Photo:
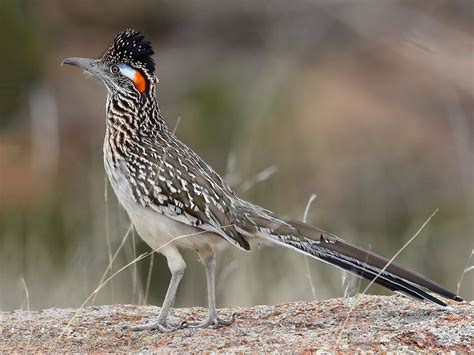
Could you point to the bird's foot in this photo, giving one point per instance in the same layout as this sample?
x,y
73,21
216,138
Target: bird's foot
x,y
165,326
211,321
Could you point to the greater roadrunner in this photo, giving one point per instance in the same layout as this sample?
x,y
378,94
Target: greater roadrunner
x,y
169,191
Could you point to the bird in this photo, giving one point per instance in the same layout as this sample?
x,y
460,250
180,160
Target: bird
x,y
176,200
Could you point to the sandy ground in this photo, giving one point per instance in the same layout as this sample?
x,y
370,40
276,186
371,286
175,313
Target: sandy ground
x,y
369,323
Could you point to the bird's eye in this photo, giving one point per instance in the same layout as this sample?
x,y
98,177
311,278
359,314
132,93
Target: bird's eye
x,y
114,69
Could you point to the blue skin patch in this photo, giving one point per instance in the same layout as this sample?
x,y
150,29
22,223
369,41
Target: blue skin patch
x,y
127,71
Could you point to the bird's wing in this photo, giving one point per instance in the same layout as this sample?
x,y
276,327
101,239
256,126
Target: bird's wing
x,y
176,182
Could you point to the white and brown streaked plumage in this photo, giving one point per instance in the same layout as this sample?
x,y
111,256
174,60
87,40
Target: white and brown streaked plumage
x,y
169,191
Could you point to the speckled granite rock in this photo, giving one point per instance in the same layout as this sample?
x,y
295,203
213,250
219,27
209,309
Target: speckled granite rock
x,y
370,323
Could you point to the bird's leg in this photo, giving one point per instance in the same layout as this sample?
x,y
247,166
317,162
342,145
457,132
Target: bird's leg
x,y
177,266
209,260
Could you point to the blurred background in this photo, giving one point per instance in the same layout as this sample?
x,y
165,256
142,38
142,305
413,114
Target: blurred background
x,y
367,104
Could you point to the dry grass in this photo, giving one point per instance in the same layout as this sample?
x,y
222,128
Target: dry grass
x,y
392,259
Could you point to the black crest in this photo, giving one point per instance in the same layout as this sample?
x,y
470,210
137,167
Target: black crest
x,y
131,47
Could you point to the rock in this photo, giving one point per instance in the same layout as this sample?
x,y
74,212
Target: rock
x,y
365,323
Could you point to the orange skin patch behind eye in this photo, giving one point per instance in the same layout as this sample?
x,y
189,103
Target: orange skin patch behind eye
x,y
139,81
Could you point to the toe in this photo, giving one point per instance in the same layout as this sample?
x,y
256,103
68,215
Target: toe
x,y
227,322
209,322
161,327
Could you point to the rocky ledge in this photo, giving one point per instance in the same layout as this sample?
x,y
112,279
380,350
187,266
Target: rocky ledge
x,y
364,323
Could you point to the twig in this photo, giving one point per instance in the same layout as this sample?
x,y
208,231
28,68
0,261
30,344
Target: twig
x,y
230,176
380,273
134,271
107,230
306,261
27,293
265,174
148,278
465,271
109,267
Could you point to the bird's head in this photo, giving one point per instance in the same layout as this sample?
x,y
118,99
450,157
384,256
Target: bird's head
x,y
125,67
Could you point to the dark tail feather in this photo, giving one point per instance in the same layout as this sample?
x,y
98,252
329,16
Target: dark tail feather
x,y
385,279
333,250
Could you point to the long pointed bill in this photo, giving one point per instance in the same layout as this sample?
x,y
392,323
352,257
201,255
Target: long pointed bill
x,y
90,66
84,63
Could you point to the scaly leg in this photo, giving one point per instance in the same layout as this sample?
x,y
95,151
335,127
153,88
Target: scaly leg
x,y
177,266
208,258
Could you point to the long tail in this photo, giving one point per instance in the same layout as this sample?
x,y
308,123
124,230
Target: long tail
x,y
326,247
